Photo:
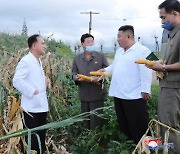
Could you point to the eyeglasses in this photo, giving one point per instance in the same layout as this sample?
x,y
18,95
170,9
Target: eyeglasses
x,y
162,17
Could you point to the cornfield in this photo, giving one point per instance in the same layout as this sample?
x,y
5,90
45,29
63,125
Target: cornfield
x,y
64,108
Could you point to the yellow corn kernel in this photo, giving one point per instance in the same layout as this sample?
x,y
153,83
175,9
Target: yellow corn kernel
x,y
87,78
145,61
96,73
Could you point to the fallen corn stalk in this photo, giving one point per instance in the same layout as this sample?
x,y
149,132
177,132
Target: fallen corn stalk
x,y
140,147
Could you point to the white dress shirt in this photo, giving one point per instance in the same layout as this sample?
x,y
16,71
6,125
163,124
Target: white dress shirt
x,y
29,76
128,78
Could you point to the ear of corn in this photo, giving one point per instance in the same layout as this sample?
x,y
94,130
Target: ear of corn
x,y
87,78
145,61
96,73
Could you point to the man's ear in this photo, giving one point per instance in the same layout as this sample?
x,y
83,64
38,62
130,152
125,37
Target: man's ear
x,y
34,45
175,13
82,45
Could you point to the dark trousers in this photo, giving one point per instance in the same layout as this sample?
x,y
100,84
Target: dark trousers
x,y
169,114
38,119
132,117
94,120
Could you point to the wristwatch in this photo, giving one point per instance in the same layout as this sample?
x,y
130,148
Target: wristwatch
x,y
164,68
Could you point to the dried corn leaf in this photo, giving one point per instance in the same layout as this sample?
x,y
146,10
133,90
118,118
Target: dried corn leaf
x,y
17,125
1,122
14,106
166,138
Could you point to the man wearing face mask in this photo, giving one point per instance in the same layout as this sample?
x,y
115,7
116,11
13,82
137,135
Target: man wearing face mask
x,y
169,93
91,94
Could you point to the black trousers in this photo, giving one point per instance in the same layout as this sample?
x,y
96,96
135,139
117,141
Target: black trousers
x,y
132,117
94,120
38,119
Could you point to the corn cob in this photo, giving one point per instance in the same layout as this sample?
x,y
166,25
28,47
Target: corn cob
x,y
96,73
145,61
87,78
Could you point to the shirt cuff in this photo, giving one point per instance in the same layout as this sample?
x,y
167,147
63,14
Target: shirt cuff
x,y
108,69
146,89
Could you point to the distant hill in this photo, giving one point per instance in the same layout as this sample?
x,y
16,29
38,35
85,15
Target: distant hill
x,y
10,44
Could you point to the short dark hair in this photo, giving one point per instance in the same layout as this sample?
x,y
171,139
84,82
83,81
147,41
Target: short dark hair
x,y
170,5
127,28
32,39
84,36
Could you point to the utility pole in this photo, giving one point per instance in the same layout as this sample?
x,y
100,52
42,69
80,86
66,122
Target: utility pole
x,y
157,44
139,38
90,22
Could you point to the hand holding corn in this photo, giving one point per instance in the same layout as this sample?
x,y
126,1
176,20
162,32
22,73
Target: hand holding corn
x,y
155,65
98,73
145,61
81,77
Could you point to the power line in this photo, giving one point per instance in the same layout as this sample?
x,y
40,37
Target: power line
x,y
90,21
134,18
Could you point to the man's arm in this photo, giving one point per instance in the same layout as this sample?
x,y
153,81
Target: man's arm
x,y
75,72
170,67
19,80
146,78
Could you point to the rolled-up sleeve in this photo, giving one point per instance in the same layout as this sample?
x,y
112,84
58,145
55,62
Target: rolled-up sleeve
x,y
109,68
146,79
20,82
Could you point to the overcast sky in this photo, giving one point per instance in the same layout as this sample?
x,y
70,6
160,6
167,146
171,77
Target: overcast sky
x,y
63,18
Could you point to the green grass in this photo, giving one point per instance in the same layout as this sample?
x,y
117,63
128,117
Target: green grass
x,y
152,104
107,139
110,56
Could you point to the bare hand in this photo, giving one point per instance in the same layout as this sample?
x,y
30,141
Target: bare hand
x,y
78,78
101,70
145,96
36,92
95,79
157,66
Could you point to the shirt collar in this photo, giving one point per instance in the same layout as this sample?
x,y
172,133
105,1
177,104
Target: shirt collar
x,y
34,58
92,55
174,31
133,47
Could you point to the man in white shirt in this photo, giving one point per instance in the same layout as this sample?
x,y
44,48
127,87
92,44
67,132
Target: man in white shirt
x,y
130,85
29,80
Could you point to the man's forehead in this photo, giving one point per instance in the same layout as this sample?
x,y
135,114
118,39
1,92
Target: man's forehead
x,y
40,39
88,38
162,11
123,32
